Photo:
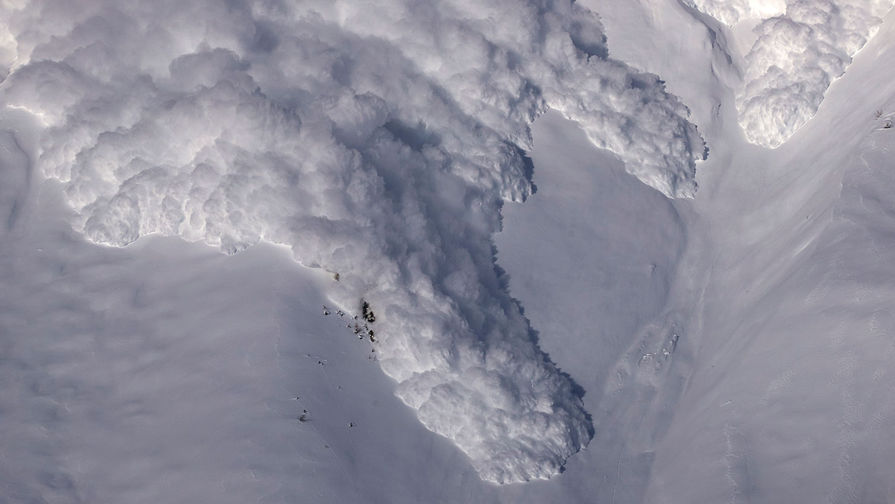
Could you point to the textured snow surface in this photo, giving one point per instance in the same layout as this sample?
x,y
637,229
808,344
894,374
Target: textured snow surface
x,y
800,48
376,141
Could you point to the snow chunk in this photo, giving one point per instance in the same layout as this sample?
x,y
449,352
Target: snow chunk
x,y
377,141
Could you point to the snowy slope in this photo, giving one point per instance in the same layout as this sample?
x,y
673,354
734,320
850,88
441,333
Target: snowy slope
x,y
166,372
791,378
788,378
594,335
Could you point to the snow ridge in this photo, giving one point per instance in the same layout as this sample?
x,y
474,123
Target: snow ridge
x,y
377,142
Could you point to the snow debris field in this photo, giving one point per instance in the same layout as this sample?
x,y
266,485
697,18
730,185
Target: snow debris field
x,y
452,251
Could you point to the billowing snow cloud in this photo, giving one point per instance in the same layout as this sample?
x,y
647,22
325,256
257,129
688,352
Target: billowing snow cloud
x,y
796,56
795,59
375,139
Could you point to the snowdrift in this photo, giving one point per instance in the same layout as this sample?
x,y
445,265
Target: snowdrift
x,y
377,142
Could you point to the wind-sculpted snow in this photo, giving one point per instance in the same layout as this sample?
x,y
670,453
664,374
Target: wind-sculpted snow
x,y
376,140
796,56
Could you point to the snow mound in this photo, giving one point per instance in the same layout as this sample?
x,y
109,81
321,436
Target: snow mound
x,y
796,56
376,141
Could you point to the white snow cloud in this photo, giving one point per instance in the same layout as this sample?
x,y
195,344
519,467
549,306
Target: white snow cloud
x,y
377,141
795,59
796,56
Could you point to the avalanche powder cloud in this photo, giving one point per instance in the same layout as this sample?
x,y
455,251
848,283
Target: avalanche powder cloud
x,y
796,56
376,141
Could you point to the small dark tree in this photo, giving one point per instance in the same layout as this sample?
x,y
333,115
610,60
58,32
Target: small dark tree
x,y
367,312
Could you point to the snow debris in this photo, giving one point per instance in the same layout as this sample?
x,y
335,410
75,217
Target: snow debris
x,y
374,139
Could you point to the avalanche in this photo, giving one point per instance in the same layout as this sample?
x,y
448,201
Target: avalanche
x,y
376,142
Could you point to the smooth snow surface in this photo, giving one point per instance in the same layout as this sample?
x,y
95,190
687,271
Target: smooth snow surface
x,y
546,311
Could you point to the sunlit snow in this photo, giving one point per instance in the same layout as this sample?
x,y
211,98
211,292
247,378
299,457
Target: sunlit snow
x,y
464,254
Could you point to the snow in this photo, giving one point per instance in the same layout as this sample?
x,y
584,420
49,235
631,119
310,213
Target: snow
x,y
795,58
798,49
307,129
165,372
546,313
730,12
593,257
790,385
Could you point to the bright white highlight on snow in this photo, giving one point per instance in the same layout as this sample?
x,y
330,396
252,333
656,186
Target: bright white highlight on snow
x,y
376,141
732,11
796,56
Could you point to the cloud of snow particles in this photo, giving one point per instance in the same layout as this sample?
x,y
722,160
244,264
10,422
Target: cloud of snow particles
x,y
795,59
375,139
732,11
796,56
